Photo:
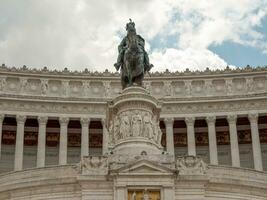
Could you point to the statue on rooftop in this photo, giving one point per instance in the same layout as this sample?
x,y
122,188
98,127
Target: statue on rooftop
x,y
132,59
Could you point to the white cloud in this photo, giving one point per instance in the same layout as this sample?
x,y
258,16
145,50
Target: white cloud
x,y
203,23
174,59
79,33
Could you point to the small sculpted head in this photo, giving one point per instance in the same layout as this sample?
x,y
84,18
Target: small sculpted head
x,y
130,27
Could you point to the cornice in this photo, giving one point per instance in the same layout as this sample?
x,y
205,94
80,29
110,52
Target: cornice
x,y
26,71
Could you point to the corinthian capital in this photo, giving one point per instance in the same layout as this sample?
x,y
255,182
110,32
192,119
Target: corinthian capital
x,y
85,121
231,118
42,119
253,117
211,119
2,117
63,120
21,118
168,121
190,121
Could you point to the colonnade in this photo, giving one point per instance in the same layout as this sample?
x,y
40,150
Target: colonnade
x,y
41,146
235,157
169,122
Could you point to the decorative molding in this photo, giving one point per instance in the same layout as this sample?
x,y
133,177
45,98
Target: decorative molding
x,y
232,118
190,121
103,84
253,117
63,120
42,119
21,118
85,121
187,72
168,121
211,119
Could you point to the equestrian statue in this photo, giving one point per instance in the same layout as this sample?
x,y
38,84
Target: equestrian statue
x,y
133,59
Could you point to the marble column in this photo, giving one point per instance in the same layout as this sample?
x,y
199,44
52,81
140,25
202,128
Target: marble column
x,y
2,116
105,137
41,141
190,121
63,143
212,140
256,146
169,135
18,165
234,140
85,137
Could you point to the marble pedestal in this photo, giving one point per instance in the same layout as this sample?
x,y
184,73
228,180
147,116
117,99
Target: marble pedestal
x,y
133,123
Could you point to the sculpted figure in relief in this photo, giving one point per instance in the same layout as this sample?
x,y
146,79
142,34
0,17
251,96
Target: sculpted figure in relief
x,y
229,85
146,195
148,131
44,87
191,165
133,197
2,83
111,136
155,128
157,134
117,133
125,126
23,84
136,125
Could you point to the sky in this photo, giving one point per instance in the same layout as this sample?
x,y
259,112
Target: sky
x,y
179,34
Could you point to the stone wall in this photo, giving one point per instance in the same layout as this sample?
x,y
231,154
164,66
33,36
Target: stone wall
x,y
66,182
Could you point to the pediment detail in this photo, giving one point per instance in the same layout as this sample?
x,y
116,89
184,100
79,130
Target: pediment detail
x,y
144,167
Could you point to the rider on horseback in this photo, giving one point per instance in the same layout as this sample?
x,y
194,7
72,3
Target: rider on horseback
x,y
130,27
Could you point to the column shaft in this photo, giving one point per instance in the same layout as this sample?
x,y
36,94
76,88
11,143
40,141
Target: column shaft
x,y
1,129
256,146
41,141
212,140
105,137
234,141
18,165
85,137
169,135
63,140
191,136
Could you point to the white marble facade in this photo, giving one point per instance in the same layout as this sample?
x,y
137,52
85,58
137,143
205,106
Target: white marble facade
x,y
86,96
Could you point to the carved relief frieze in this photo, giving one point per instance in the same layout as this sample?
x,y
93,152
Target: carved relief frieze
x,y
211,107
191,165
75,88
52,107
43,84
132,124
13,85
94,165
